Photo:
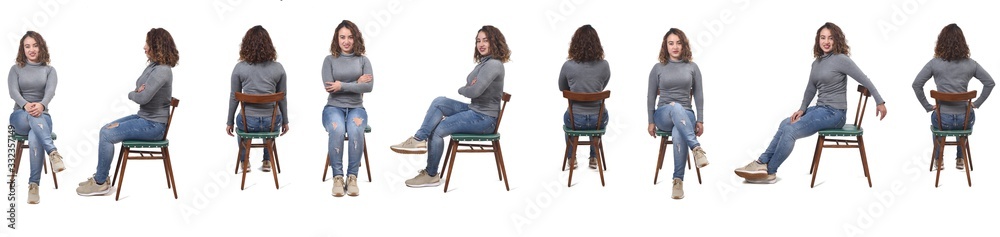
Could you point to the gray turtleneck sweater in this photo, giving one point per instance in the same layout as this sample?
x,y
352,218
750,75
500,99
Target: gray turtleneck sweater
x,y
154,100
488,89
952,77
674,82
32,83
829,78
347,69
258,79
585,77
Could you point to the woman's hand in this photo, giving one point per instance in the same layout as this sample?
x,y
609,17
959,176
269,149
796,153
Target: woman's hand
x,y
796,116
365,78
34,109
284,129
699,128
333,86
652,130
141,88
229,130
880,110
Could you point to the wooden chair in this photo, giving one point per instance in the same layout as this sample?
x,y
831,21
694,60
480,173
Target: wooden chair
x,y
326,167
22,144
961,136
472,141
163,154
575,134
848,131
268,138
665,139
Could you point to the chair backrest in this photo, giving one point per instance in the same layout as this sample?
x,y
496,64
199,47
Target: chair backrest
x,y
586,97
259,99
859,113
170,118
503,106
954,97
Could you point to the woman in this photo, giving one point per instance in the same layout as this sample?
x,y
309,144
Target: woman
x,y
952,70
484,86
674,79
586,71
153,92
347,75
32,84
257,74
827,82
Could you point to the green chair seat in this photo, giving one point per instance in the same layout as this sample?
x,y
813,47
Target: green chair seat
x,y
950,133
145,144
661,133
19,137
848,130
464,137
582,133
261,135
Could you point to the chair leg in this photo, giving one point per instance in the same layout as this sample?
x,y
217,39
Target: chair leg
x,y
368,168
963,144
566,155
170,170
245,162
940,145
496,158
166,173
121,155
503,168
696,169
454,150
573,142
600,161
55,181
447,154
659,158
274,157
968,153
819,146
864,159
121,179
815,164
326,167
601,151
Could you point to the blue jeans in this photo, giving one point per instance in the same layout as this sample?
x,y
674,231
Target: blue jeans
x,y
257,124
130,127
460,119
337,125
951,122
815,118
39,139
584,122
680,122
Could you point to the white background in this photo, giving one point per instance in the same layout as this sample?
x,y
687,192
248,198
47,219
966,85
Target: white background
x,y
754,56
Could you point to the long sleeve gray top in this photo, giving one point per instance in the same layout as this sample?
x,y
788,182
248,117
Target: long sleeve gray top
x,y
828,78
952,77
154,100
258,79
585,77
487,90
32,83
674,82
347,69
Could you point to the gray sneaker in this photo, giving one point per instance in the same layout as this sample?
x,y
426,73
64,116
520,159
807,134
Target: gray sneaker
x,y
32,193
754,171
959,164
266,167
769,179
410,146
57,162
699,157
338,186
593,163
352,185
91,188
678,189
424,180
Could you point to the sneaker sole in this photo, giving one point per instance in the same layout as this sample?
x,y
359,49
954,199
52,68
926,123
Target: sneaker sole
x,y
758,175
424,185
409,150
762,181
702,165
352,194
678,198
335,195
98,193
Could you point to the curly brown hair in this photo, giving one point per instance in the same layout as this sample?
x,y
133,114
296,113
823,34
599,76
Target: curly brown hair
x,y
257,46
498,45
585,45
161,47
359,42
951,44
43,49
839,41
685,46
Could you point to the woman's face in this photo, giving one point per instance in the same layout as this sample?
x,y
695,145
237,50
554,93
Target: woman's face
x,y
346,40
674,47
31,49
482,44
145,49
825,40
